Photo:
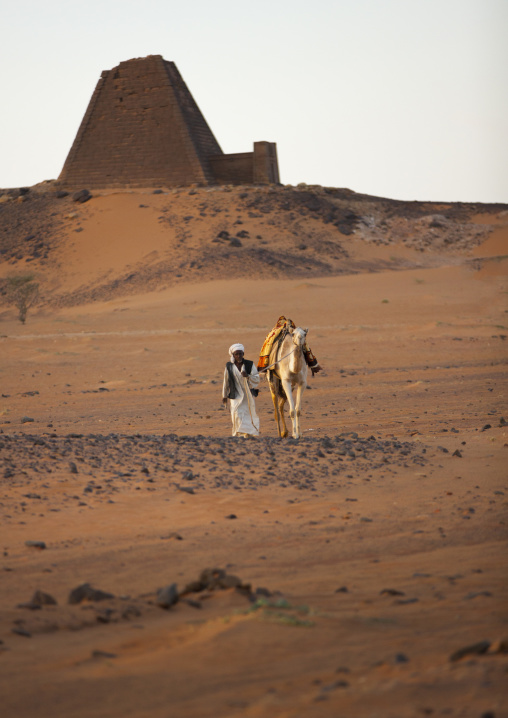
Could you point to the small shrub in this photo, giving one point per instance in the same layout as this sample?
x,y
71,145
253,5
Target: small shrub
x,y
23,292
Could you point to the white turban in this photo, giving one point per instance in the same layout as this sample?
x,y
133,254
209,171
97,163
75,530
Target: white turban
x,y
235,348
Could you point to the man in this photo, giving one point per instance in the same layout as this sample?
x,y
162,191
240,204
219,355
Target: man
x,y
264,354
241,380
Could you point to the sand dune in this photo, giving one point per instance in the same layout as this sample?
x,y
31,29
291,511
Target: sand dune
x,y
362,568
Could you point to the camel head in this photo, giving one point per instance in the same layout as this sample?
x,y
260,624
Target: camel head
x,y
299,336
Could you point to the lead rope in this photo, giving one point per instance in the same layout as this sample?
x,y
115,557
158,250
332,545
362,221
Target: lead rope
x,y
278,360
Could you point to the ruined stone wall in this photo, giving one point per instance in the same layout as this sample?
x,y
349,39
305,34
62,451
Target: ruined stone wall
x,y
233,168
258,167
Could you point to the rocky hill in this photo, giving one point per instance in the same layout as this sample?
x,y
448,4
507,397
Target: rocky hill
x,y
101,244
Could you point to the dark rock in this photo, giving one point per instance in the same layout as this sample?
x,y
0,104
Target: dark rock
x,y
229,581
401,658
487,426
475,594
185,489
260,591
30,605
103,654
210,577
26,419
43,599
173,535
82,195
35,544
476,649
193,587
61,194
167,596
73,468
457,453
85,592
21,632
391,592
231,516
342,589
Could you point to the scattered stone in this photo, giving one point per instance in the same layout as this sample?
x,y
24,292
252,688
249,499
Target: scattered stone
x,y
43,599
476,649
342,589
103,654
167,596
82,195
26,420
185,489
85,592
104,615
21,632
73,468
35,544
391,592
401,658
487,426
231,516
475,594
61,193
457,453
30,605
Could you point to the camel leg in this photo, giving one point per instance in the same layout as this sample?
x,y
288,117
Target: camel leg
x,y
298,405
276,409
284,431
292,410
274,384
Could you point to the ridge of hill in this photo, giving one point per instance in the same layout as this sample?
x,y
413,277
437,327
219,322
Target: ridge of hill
x,y
132,241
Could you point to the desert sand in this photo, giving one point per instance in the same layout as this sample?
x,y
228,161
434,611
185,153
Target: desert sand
x,y
360,571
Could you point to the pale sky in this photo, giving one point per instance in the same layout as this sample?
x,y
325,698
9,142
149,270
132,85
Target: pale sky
x,y
406,99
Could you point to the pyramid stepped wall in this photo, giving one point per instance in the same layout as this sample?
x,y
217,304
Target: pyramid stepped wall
x,y
143,128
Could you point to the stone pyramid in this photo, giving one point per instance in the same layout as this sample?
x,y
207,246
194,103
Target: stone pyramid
x,y
143,128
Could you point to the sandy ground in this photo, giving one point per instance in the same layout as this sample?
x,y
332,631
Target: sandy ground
x,y
367,555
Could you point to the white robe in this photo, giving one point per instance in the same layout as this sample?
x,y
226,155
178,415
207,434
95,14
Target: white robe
x,y
243,408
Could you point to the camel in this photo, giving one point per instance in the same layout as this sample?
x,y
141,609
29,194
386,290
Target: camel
x,y
289,370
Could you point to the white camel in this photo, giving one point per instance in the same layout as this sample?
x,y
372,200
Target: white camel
x,y
288,369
